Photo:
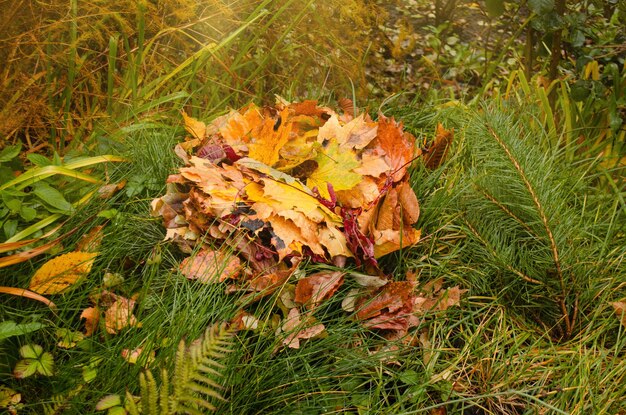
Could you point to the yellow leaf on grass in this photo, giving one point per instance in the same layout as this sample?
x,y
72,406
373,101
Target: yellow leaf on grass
x,y
60,273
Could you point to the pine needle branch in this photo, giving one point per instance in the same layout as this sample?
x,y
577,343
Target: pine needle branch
x,y
544,219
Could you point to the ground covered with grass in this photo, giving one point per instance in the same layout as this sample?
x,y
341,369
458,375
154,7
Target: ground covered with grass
x,y
519,268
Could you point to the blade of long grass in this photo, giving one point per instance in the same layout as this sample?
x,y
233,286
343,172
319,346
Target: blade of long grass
x,y
40,173
203,53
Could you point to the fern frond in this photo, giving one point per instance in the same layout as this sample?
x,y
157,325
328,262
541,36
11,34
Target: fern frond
x,y
130,404
164,398
194,383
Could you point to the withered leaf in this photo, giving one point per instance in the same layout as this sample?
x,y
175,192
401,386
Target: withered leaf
x,y
292,326
92,317
620,311
120,315
316,288
438,150
210,266
390,307
62,272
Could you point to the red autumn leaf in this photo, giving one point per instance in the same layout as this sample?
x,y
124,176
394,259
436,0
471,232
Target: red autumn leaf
x,y
399,146
390,307
314,289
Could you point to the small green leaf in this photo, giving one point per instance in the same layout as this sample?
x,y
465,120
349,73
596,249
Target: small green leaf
x,y
108,402
10,328
14,204
409,377
118,410
68,338
10,227
52,197
10,152
28,213
31,351
89,373
46,364
25,368
541,6
108,214
39,160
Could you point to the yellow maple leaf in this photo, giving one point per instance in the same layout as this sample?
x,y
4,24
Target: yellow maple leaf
x,y
270,138
335,166
62,272
194,127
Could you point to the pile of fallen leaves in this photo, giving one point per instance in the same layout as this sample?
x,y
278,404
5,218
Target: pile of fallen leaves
x,y
265,187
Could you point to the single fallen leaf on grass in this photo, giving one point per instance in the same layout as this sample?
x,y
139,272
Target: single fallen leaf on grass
x,y
620,311
92,317
120,315
62,272
9,399
133,356
208,266
293,324
314,289
68,339
438,150
91,241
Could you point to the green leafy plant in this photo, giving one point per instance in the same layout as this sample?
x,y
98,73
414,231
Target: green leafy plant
x,y
38,196
191,388
34,361
10,328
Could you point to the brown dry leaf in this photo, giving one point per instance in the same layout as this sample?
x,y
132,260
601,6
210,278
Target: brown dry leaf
x,y
450,297
62,272
314,289
438,150
132,356
390,307
244,321
90,242
92,318
620,311
409,204
268,283
108,190
390,240
346,105
292,323
120,315
208,266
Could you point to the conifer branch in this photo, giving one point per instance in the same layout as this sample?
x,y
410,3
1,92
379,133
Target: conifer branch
x,y
495,254
544,220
